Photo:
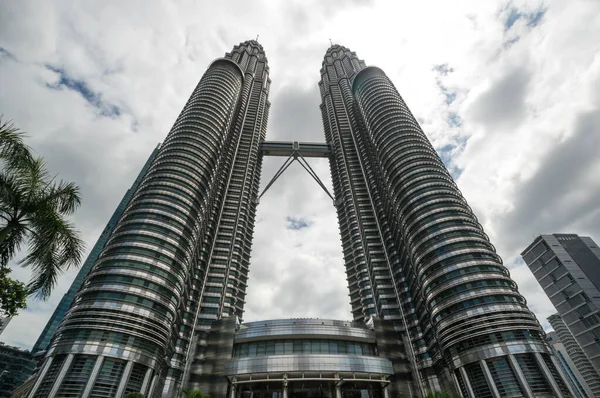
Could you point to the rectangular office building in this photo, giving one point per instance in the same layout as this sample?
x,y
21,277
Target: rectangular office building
x,y
567,267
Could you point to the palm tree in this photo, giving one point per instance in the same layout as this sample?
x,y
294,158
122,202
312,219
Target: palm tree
x,y
33,210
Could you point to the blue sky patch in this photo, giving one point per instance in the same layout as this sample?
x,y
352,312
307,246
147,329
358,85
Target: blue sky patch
x,y
80,86
454,120
443,69
297,223
446,155
533,18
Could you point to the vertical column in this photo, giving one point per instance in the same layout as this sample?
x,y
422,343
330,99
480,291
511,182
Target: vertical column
x,y
124,379
285,386
463,373
285,389
386,392
384,387
338,390
90,383
338,386
562,376
146,381
456,383
542,365
520,377
153,385
489,378
61,375
41,376
233,390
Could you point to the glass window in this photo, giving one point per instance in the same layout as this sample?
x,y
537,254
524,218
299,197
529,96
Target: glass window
x,y
324,347
261,348
297,346
270,348
352,348
279,347
547,256
535,252
252,350
289,347
333,347
315,347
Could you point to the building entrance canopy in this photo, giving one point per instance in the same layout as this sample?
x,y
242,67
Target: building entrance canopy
x,y
324,385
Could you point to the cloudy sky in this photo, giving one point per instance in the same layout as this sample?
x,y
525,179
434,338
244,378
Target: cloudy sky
x,y
507,91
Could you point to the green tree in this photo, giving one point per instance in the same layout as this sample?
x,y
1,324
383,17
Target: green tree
x,y
13,294
436,394
134,395
33,213
195,393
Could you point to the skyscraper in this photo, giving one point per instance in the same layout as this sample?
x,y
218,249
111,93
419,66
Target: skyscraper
x,y
59,313
415,253
568,269
178,258
588,377
433,307
15,366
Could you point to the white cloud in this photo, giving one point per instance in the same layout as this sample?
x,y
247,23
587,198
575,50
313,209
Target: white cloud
x,y
526,100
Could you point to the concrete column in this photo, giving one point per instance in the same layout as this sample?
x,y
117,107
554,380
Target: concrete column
x,y
386,392
489,379
284,386
520,377
338,391
124,379
456,383
547,374
152,385
61,375
285,390
562,376
232,391
93,376
467,382
338,386
40,377
146,381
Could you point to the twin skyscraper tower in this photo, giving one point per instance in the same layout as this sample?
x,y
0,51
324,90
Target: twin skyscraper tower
x,y
433,307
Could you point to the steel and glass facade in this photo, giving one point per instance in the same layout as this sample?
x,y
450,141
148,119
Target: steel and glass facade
x,y
296,358
589,373
567,267
415,253
178,258
65,303
572,360
15,367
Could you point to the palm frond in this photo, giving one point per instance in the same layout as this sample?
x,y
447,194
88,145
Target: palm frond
x,y
13,150
11,244
64,197
54,246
